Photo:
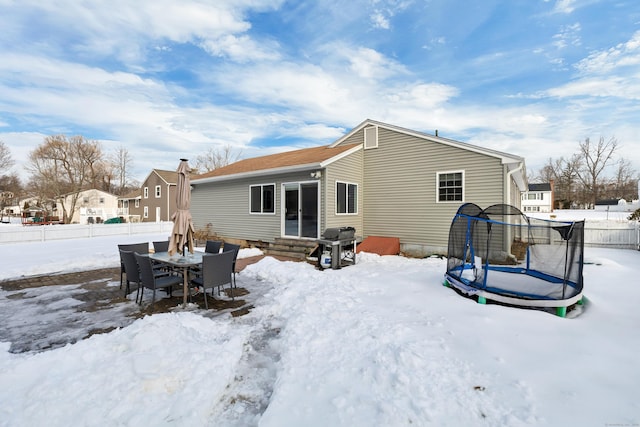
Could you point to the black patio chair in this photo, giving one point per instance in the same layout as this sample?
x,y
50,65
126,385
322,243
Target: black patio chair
x,y
212,246
217,271
235,249
141,248
161,246
131,269
149,280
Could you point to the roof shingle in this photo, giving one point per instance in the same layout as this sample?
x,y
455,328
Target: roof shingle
x,y
303,156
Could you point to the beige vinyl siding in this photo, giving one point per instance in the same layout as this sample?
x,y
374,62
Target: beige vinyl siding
x,y
348,170
225,205
400,187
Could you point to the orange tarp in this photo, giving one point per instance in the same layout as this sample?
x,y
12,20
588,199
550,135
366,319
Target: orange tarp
x,y
380,245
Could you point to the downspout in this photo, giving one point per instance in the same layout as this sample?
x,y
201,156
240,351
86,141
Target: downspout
x,y
508,189
508,235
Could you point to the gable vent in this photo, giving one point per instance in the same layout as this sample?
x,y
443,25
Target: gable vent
x,y
371,137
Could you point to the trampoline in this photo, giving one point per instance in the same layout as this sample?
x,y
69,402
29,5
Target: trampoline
x,y
499,254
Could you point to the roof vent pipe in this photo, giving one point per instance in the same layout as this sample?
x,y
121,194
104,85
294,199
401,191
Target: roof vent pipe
x,y
436,132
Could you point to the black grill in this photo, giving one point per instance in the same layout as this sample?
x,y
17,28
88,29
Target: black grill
x,y
339,233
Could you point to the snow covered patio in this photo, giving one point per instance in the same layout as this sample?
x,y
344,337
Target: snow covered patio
x,y
378,343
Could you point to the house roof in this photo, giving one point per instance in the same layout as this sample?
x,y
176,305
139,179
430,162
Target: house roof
x,y
505,157
134,194
318,157
106,193
170,177
515,164
607,202
540,187
306,158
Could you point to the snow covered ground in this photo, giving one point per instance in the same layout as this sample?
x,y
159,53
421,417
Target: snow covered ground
x,y
381,343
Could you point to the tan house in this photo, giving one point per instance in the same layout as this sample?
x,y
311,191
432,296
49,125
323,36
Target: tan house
x,y
92,206
155,201
381,179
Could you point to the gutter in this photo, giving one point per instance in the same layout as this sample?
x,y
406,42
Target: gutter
x,y
285,169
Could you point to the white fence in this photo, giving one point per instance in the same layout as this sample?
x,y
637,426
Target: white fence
x,y
611,234
601,234
41,233
608,234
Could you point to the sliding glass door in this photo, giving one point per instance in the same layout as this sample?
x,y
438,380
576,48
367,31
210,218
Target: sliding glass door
x,y
300,209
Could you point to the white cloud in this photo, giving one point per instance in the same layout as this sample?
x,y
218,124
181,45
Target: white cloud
x,y
125,29
241,48
564,6
380,21
569,35
384,10
622,55
608,73
370,64
619,87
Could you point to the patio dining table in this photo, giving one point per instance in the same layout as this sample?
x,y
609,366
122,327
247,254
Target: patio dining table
x,y
180,261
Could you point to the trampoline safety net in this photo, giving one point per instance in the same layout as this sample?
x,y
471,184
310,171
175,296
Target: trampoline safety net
x,y
489,247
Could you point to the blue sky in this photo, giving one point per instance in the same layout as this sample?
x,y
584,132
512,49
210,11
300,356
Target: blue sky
x,y
171,79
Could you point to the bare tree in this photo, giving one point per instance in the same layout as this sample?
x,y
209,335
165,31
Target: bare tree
x,y
10,190
569,179
65,166
550,171
121,162
624,184
564,173
216,157
595,157
6,161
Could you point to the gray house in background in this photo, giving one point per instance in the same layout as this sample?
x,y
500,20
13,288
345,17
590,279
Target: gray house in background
x,y
382,179
155,201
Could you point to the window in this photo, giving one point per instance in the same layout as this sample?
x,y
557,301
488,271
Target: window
x,y
101,200
145,214
262,198
346,198
146,192
85,200
158,192
137,204
450,186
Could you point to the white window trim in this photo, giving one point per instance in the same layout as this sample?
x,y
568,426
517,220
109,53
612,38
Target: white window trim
x,y
368,142
464,186
347,194
145,212
158,191
145,192
261,195
137,203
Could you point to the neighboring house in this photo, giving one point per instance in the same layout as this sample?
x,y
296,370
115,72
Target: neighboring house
x,y
539,198
617,205
156,199
29,207
382,179
130,206
92,206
